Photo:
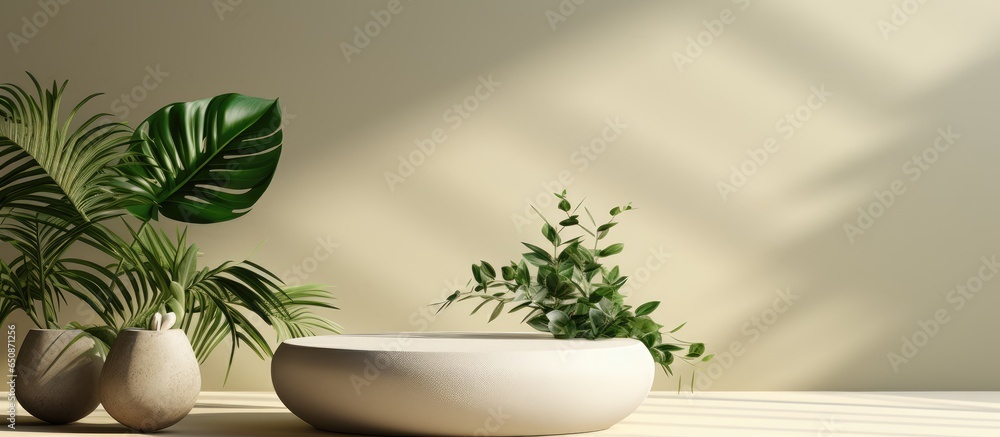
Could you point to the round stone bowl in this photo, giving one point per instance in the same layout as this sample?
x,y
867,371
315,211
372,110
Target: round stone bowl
x,y
461,384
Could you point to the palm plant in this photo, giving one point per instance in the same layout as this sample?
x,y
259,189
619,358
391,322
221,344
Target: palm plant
x,y
199,162
208,301
58,184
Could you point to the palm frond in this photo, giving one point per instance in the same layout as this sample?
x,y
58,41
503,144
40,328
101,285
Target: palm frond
x,y
220,302
56,168
42,274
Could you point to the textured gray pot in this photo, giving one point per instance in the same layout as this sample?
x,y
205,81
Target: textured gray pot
x,y
151,379
58,388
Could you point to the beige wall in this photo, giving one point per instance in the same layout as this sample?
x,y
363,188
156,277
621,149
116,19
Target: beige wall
x,y
685,128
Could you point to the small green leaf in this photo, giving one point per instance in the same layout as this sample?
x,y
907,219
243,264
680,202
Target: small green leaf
x,y
540,323
496,311
477,273
647,308
570,221
488,269
615,211
481,304
678,328
597,318
542,253
550,234
708,358
507,272
564,205
535,260
612,275
552,282
667,347
612,249
556,316
606,226
696,349
560,324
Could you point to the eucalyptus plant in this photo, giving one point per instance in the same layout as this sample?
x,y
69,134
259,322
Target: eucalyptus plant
x,y
206,161
572,293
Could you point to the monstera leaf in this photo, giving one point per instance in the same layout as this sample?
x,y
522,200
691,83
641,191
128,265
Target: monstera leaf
x,y
206,161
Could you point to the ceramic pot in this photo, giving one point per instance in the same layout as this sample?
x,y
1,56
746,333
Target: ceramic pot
x,y
460,384
151,379
58,381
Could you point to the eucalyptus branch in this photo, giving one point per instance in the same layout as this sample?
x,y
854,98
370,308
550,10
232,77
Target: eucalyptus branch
x,y
570,294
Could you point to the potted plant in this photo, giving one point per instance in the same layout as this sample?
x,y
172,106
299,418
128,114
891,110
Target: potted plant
x,y
593,367
572,293
151,379
57,189
60,186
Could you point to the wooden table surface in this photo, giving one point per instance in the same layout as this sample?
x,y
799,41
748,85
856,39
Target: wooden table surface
x,y
663,414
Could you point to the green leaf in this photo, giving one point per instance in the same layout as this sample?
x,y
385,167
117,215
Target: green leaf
x,y
606,226
707,358
696,349
570,221
612,249
612,275
615,211
206,161
489,270
564,205
507,272
477,273
481,304
550,234
678,328
535,260
597,318
559,324
539,323
542,253
667,347
647,308
497,311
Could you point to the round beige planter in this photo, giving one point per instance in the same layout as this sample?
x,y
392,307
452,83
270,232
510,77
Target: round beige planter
x,y
151,379
57,381
460,384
